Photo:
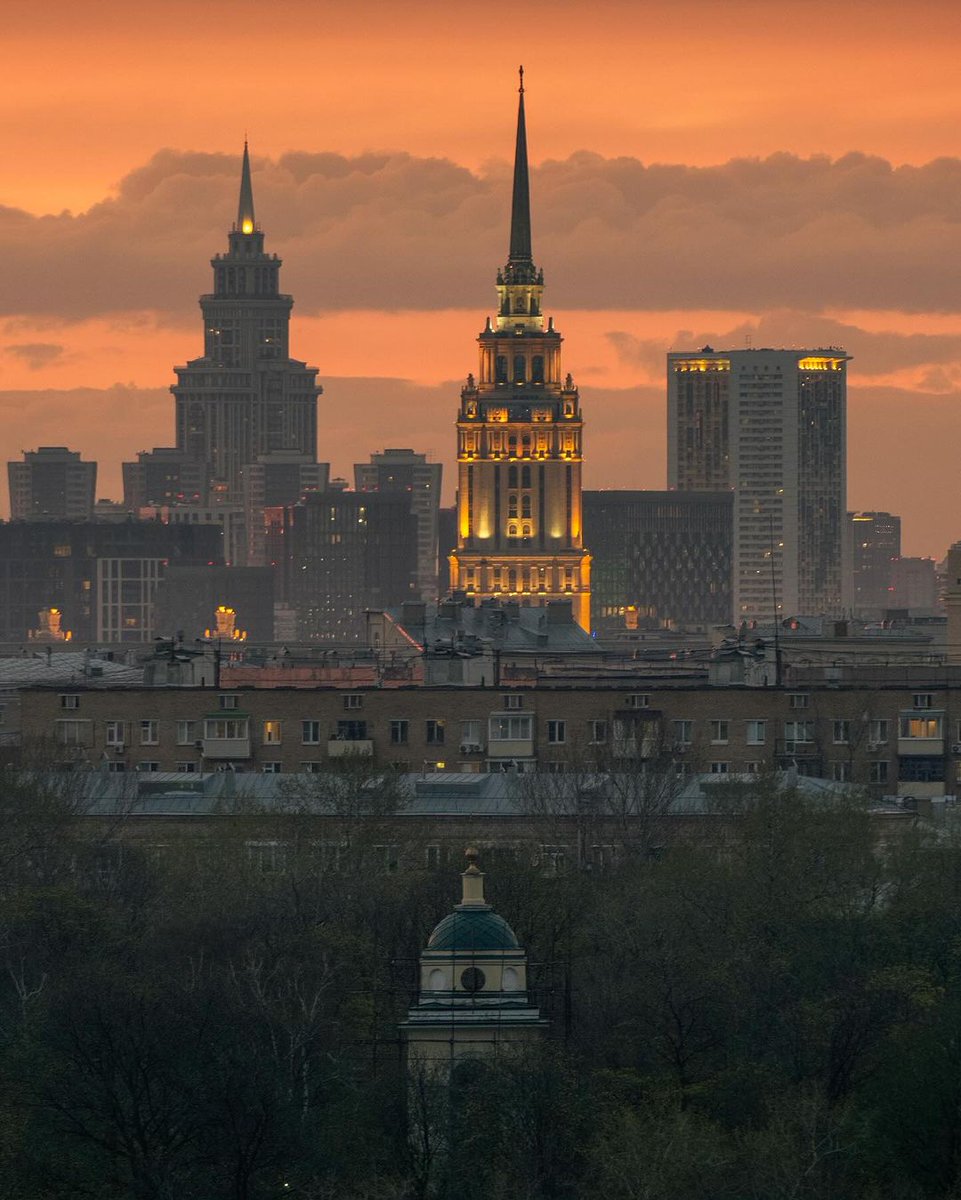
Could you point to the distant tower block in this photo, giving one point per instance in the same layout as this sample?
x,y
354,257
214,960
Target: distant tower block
x,y
473,989
246,397
519,443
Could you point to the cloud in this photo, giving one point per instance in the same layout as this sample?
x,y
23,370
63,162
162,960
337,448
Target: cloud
x,y
935,359
392,230
36,355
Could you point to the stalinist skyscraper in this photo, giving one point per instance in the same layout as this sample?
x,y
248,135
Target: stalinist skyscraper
x,y
246,397
519,442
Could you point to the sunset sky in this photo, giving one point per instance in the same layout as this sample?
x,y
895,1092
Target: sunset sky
x,y
740,174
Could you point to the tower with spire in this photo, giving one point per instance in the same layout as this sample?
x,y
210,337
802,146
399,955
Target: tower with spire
x,y
520,441
245,399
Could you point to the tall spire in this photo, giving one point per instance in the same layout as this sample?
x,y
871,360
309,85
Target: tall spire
x,y
245,210
520,251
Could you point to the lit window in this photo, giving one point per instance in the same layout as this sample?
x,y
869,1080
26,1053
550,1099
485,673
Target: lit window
x,y
272,733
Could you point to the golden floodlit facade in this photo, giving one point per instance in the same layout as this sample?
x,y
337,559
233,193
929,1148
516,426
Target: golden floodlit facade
x,y
520,443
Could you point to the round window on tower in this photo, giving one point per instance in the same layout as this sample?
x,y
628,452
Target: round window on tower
x,y
472,979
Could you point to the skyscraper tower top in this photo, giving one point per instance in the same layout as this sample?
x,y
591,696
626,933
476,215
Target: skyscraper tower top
x,y
519,448
245,210
520,248
245,397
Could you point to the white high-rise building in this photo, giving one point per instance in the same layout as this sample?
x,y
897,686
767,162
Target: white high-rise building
x,y
771,425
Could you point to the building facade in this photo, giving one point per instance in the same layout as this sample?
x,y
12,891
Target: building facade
x,y
520,443
897,737
771,426
101,577
661,558
245,397
349,552
50,484
405,471
875,544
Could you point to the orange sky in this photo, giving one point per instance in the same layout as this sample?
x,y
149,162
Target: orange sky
x,y
92,92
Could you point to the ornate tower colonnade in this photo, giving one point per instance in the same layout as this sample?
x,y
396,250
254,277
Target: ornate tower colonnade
x,y
519,442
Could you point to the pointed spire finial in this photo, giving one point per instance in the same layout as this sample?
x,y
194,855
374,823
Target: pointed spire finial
x,y
520,72
520,248
245,210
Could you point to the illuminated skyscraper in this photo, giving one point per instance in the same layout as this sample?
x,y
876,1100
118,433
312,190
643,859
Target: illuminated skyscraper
x,y
246,397
771,425
519,442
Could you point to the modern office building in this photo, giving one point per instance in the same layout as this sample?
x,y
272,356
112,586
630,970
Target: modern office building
x,y
405,471
349,552
274,482
771,425
163,476
875,545
661,558
52,483
519,443
100,577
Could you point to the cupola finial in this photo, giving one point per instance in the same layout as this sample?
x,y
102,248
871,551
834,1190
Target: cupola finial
x,y
473,880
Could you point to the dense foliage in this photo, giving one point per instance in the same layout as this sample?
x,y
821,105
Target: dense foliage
x,y
780,1019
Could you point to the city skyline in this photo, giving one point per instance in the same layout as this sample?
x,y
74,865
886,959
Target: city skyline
x,y
840,250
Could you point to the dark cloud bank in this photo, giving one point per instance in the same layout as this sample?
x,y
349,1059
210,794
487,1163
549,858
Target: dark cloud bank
x,y
395,231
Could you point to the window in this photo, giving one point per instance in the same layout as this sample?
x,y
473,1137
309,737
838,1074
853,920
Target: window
x,y
228,702
598,732
798,732
273,733
841,772
310,768
186,733
798,700
683,733
842,733
879,772
720,768
353,700
351,731
149,733
556,732
923,700
399,732
638,700
271,768
752,768
878,732
69,701
148,766
75,733
756,733
310,733
510,729
513,702
921,768
187,768
225,728
267,856
470,736
719,731
116,731
435,733
921,727
116,768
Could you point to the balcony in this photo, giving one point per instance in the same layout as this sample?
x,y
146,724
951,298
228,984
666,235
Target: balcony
x,y
228,747
343,747
511,748
912,746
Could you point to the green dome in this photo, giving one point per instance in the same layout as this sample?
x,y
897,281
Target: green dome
x,y
473,929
